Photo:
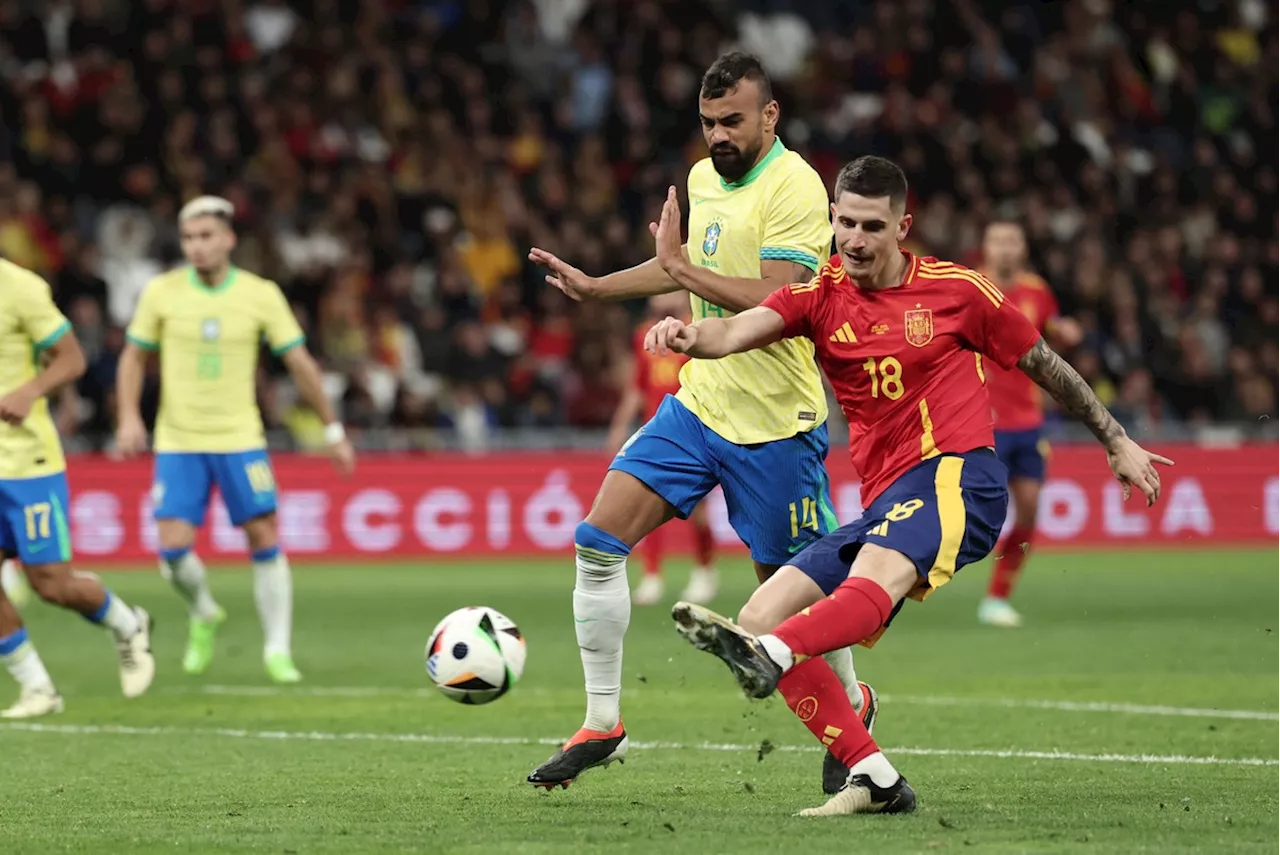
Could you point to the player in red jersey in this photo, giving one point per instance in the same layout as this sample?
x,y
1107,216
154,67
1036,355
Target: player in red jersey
x,y
1017,405
652,380
905,342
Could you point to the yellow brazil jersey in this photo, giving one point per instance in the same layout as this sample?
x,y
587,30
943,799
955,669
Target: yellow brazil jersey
x,y
777,211
29,323
209,339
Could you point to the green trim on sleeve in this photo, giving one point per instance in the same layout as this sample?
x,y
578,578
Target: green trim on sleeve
x,y
777,253
141,343
288,346
52,338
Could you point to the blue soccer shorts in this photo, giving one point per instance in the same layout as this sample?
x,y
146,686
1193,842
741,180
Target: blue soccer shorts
x,y
943,514
1023,452
33,519
184,483
777,494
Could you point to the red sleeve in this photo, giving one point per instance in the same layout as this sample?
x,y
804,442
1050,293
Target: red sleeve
x,y
999,331
796,303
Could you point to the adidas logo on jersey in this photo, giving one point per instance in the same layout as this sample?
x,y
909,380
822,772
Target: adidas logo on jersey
x,y
844,335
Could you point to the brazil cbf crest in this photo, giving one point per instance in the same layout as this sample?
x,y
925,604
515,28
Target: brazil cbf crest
x,y
210,329
918,326
711,238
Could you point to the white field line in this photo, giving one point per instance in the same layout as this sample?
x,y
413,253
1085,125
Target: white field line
x,y
918,700
436,739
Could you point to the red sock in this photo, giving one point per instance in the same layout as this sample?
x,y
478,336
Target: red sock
x,y
1011,554
653,552
855,612
704,545
813,692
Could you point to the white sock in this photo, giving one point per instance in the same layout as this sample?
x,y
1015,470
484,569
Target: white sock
x,y
188,578
120,619
24,664
878,768
601,613
10,578
273,592
778,652
841,661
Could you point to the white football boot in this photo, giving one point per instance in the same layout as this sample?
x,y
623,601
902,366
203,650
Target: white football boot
x,y
998,612
33,703
649,591
137,665
702,587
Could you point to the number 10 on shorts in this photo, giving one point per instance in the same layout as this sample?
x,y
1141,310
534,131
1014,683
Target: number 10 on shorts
x,y
804,514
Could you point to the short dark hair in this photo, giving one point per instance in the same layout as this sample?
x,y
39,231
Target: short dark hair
x,y
875,178
731,69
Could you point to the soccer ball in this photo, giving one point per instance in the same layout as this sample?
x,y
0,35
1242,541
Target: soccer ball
x,y
475,655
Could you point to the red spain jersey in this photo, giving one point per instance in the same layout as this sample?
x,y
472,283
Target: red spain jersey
x,y
907,363
655,376
1016,401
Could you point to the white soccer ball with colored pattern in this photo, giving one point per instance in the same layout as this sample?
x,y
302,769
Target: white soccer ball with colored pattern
x,y
475,655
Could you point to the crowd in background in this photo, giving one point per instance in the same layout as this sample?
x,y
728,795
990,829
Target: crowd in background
x,y
391,161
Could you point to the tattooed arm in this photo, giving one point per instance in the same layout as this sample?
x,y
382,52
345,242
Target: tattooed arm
x,y
1068,388
1130,462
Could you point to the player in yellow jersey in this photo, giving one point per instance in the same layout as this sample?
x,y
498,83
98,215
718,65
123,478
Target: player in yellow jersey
x,y
209,321
34,496
755,423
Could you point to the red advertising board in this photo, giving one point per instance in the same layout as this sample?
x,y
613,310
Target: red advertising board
x,y
529,503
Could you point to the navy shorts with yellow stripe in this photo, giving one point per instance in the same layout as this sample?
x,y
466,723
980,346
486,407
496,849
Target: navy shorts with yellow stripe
x,y
776,493
944,513
1023,452
33,519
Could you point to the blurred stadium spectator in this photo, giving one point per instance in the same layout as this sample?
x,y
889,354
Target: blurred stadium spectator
x,y
392,160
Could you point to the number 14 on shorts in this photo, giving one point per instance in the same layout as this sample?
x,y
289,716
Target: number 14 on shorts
x,y
804,514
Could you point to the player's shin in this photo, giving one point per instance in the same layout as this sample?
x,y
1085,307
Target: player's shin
x,y
857,609
1011,554
23,662
273,593
813,693
601,613
183,569
116,615
841,662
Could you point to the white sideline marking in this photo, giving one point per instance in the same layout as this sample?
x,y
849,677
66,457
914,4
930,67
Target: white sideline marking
x,y
435,739
922,700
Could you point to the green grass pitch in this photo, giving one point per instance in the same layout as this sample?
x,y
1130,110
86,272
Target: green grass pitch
x,y
1136,712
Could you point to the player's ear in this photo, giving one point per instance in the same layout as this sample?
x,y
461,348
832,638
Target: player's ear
x,y
904,226
771,113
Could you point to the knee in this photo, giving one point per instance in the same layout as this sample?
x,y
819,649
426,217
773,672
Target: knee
x,y
1024,514
599,552
261,533
50,582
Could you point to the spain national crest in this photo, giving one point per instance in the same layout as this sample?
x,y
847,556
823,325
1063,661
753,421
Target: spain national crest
x,y
711,239
918,326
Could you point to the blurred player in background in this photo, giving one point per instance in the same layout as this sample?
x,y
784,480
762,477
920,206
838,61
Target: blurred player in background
x,y
1017,405
209,320
755,424
653,378
906,342
34,498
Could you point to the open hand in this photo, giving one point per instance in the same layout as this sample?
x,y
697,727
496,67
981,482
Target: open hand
x,y
131,437
666,234
670,335
343,456
1134,466
570,280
